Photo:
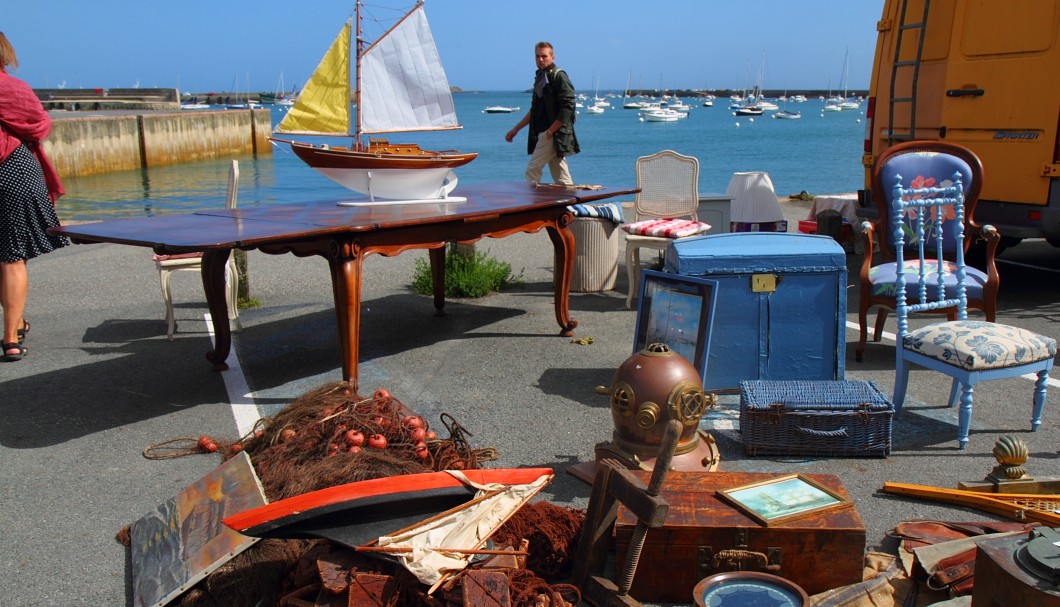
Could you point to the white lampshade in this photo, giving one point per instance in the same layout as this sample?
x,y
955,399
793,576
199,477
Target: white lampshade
x,y
753,198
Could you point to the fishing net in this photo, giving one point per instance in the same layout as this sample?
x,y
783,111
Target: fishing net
x,y
331,436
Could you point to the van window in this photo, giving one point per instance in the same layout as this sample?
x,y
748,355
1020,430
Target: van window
x,y
1003,28
940,19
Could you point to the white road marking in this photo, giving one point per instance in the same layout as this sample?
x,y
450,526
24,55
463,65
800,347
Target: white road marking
x,y
244,410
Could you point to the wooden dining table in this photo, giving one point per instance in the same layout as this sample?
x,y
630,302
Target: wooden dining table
x,y
346,230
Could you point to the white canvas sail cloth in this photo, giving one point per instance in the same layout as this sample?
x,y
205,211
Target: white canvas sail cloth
x,y
403,84
466,527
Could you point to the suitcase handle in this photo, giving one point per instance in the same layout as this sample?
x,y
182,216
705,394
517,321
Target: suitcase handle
x,y
840,433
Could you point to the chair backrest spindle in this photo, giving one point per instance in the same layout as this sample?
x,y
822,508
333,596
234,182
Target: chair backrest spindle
x,y
934,218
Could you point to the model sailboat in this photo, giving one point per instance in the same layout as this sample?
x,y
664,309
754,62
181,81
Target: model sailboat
x,y
398,86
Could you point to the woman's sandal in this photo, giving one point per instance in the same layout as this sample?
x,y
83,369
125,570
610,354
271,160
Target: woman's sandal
x,y
19,349
22,332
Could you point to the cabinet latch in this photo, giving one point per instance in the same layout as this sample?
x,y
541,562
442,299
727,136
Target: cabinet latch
x,y
763,283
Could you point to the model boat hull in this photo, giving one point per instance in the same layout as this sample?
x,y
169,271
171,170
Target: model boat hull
x,y
396,172
357,513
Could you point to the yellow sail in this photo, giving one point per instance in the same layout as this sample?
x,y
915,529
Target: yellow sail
x,y
323,106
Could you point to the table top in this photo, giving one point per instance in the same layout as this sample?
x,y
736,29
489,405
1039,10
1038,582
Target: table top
x,y
233,228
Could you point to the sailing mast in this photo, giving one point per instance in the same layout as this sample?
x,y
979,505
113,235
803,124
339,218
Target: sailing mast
x,y
358,50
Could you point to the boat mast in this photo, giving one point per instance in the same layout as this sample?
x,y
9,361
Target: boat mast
x,y
358,42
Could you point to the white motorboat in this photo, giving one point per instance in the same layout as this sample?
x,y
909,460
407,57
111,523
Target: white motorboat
x,y
662,115
786,115
499,109
679,106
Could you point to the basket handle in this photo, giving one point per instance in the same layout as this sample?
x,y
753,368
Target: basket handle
x,y
841,432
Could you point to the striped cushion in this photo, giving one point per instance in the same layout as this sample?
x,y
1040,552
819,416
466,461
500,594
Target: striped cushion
x,y
608,210
666,228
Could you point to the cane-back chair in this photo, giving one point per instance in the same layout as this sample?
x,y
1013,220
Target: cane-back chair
x,y
665,208
180,262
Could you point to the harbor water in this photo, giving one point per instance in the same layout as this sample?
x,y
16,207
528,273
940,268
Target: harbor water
x,y
819,153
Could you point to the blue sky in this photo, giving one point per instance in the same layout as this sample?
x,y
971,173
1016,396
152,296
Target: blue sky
x,y
226,45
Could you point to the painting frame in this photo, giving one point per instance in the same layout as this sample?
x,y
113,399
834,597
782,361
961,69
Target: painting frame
x,y
676,310
773,501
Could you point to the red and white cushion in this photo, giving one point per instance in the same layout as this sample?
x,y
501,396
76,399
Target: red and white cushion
x,y
666,228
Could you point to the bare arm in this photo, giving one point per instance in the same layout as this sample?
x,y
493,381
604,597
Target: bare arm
x,y
510,135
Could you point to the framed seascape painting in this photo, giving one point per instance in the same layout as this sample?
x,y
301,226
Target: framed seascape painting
x,y
678,311
783,498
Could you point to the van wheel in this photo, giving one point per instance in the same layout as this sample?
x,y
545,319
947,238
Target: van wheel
x,y
1053,241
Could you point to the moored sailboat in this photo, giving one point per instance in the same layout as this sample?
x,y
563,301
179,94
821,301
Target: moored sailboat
x,y
399,86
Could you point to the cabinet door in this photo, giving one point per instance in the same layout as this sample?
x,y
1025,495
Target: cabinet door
x,y
799,328
788,333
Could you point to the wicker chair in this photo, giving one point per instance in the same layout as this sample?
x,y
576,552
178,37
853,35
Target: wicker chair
x,y
181,262
967,351
665,208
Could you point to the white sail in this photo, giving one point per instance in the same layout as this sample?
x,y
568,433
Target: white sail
x,y
403,84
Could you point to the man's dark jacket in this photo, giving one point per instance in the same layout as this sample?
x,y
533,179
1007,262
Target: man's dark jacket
x,y
556,101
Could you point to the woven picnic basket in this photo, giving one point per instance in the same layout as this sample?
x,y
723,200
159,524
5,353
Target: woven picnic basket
x,y
817,418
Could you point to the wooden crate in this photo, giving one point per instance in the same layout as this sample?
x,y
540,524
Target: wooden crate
x,y
818,552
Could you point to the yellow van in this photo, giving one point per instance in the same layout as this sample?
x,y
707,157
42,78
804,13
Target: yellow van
x,y
984,74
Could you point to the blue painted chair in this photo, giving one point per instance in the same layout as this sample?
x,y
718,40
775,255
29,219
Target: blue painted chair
x,y
968,351
924,163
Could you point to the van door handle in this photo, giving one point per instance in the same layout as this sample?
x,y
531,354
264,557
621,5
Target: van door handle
x,y
965,93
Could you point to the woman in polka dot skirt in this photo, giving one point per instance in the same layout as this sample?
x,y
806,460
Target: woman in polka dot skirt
x,y
29,187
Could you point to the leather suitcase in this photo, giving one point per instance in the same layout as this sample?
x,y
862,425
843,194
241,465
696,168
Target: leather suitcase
x,y
818,552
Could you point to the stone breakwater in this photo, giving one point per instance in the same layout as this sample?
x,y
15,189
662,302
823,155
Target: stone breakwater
x,y
84,143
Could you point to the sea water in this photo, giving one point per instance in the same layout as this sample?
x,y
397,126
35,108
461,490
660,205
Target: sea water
x,y
819,153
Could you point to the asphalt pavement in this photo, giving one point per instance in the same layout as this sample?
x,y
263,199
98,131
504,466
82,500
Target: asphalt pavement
x,y
101,383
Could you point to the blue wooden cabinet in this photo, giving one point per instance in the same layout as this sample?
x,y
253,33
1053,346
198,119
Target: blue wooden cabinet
x,y
780,307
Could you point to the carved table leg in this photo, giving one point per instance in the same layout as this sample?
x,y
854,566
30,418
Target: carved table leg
x,y
345,264
563,243
213,285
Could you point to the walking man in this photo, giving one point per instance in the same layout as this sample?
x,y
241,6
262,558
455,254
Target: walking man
x,y
551,119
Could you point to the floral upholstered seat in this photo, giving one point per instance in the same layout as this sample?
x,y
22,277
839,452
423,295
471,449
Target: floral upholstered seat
x,y
974,345
882,278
